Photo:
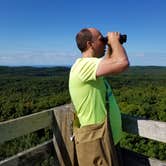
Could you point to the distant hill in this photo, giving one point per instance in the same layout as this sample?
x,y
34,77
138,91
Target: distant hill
x,y
33,71
49,71
147,70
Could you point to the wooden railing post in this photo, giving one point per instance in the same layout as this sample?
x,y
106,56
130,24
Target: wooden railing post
x,y
64,147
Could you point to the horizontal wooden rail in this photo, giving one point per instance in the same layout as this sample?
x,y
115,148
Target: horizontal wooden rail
x,y
17,127
31,156
151,129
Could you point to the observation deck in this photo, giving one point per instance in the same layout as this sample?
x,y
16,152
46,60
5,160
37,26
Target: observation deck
x,y
59,119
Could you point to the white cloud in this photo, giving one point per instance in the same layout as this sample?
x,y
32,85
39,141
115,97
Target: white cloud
x,y
147,58
31,58
139,54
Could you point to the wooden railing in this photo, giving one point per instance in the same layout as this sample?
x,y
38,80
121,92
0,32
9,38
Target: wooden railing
x,y
59,120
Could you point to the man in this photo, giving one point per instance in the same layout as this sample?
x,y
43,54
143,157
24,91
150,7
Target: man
x,y
86,83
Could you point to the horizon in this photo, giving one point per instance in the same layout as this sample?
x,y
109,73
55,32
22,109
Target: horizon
x,y
69,66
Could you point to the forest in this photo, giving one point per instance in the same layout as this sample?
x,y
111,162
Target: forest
x,y
139,91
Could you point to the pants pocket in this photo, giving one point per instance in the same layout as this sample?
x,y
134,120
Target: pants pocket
x,y
91,153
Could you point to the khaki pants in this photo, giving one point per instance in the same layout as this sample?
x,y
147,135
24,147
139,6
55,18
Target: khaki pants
x,y
92,145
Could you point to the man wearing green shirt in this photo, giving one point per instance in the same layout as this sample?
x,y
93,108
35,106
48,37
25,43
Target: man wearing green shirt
x,y
86,82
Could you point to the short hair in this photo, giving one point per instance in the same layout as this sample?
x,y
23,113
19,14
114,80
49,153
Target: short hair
x,y
82,37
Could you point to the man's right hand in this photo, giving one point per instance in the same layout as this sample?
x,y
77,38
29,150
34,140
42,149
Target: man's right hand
x,y
116,60
113,38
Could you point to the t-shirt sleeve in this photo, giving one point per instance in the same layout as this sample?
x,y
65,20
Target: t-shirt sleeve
x,y
88,69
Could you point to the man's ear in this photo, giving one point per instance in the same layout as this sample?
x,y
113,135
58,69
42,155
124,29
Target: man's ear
x,y
89,44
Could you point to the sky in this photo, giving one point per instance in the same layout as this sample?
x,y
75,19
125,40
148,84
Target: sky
x,y
42,32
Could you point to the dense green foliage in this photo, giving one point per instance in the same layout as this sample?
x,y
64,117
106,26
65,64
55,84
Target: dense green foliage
x,y
140,91
27,90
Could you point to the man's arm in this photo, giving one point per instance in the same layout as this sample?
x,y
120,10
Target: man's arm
x,y
116,60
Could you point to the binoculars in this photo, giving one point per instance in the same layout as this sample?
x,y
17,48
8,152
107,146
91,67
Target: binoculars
x,y
123,39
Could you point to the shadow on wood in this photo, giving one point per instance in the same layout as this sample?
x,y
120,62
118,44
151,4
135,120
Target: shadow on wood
x,y
132,121
131,158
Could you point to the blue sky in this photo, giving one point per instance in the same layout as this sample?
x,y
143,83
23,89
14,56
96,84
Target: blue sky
x,y
42,32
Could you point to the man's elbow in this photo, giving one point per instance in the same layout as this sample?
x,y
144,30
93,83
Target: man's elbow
x,y
125,64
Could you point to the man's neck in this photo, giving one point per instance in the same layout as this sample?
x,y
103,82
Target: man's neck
x,y
88,54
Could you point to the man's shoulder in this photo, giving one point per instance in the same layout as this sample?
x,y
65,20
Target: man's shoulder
x,y
81,62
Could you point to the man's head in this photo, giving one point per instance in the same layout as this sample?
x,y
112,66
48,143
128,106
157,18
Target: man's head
x,y
91,39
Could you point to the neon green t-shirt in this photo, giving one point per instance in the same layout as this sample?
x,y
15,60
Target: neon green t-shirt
x,y
88,95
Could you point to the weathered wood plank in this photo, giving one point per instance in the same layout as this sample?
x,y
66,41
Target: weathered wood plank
x,y
64,147
154,162
31,156
145,128
17,127
131,158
